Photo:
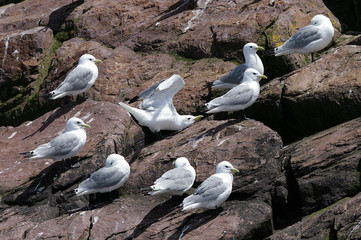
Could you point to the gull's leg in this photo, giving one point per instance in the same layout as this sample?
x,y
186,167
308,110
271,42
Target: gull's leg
x,y
159,135
312,58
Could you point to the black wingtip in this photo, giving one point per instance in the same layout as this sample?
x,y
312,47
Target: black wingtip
x,y
27,154
134,99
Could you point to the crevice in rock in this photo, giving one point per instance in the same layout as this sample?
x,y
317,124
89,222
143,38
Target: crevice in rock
x,y
348,13
6,2
90,227
286,206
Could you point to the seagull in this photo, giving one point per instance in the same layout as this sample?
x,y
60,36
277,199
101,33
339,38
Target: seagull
x,y
239,97
235,77
308,39
106,179
63,146
157,111
80,79
213,191
175,181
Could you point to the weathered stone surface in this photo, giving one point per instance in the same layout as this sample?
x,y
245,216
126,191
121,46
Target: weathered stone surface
x,y
248,145
141,43
339,221
112,131
321,95
319,171
28,14
26,56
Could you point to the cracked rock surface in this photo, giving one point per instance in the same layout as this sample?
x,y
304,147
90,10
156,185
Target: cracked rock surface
x,y
298,155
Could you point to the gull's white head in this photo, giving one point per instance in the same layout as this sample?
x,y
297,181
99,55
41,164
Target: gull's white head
x,y
250,48
225,167
252,74
115,159
87,58
75,123
187,120
320,20
181,162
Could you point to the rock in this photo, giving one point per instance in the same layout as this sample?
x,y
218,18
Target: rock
x,y
321,95
320,170
26,56
25,15
250,146
111,132
339,221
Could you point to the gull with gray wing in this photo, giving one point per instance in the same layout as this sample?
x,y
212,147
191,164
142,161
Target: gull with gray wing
x,y
175,181
80,79
235,77
106,179
308,39
213,191
239,97
63,146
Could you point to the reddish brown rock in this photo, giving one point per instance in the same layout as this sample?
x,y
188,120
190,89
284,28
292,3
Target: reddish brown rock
x,y
28,14
112,131
25,58
339,221
248,145
318,171
321,95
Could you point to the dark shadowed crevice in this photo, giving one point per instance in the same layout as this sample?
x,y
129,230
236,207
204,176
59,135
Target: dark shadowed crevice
x,y
347,12
286,202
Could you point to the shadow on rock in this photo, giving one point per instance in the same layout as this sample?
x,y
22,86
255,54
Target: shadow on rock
x,y
39,189
178,7
155,214
194,221
55,115
58,17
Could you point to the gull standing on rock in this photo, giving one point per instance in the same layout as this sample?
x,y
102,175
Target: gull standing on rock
x,y
63,146
157,111
80,79
175,181
309,39
214,190
106,179
236,75
239,97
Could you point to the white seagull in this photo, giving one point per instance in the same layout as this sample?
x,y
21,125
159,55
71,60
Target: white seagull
x,y
214,190
175,181
239,97
157,111
235,77
80,79
309,39
106,179
63,146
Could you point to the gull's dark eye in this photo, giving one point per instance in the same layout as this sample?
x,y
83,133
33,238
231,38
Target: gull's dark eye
x,y
254,73
189,118
78,122
250,47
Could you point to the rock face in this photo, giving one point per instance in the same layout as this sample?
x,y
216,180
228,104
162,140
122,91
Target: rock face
x,y
318,96
299,159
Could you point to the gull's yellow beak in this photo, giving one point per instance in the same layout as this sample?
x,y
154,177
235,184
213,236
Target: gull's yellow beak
x,y
98,61
86,125
234,170
199,117
263,76
260,48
